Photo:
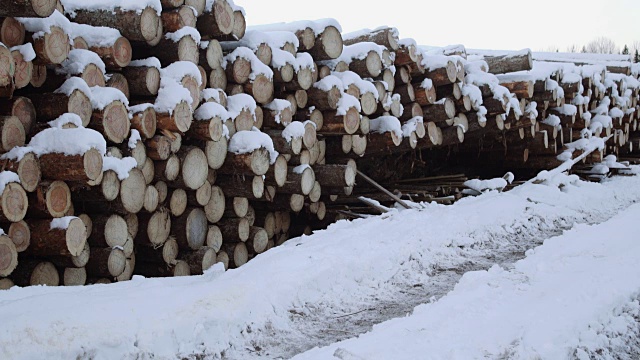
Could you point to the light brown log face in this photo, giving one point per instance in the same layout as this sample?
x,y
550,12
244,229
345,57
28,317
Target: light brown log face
x,y
7,67
11,32
8,256
23,70
12,132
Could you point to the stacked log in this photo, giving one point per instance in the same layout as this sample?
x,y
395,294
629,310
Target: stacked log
x,y
170,137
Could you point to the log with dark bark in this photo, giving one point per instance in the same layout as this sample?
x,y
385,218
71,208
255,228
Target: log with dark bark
x,y
176,19
55,237
217,21
52,48
200,260
300,180
112,121
11,32
506,63
340,124
106,262
28,8
328,44
234,229
51,199
384,36
136,26
52,105
254,163
35,272
190,229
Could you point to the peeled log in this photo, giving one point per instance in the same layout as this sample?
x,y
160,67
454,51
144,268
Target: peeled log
x,y
503,64
135,27
48,241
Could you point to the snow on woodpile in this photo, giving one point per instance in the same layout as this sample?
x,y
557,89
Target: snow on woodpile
x,y
252,39
317,26
134,139
210,110
357,51
103,96
61,223
294,130
584,58
246,141
384,124
349,78
65,119
121,167
347,102
41,26
257,67
328,82
72,84
481,186
71,6
184,31
278,105
26,50
148,62
7,177
75,141
449,50
78,60
179,69
239,102
209,6
411,125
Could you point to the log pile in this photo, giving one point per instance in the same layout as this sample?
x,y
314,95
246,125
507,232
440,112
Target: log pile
x,y
162,137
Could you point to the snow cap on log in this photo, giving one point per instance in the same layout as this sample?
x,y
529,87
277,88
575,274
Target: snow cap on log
x,y
64,119
210,110
185,31
56,140
385,124
121,167
179,69
244,142
209,6
62,223
70,6
148,62
294,130
41,26
72,84
254,38
257,67
317,26
7,177
78,60
26,50
278,105
103,96
410,126
239,102
346,102
349,78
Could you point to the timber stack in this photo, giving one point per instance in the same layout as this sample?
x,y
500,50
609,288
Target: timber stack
x,y
160,137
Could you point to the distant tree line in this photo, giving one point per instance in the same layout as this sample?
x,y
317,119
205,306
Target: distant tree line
x,y
603,45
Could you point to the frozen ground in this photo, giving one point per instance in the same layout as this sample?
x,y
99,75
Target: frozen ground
x,y
338,283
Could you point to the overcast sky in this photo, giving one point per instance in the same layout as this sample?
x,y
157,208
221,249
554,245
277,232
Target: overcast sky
x,y
481,24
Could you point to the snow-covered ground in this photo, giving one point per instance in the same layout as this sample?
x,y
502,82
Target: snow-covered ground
x,y
574,296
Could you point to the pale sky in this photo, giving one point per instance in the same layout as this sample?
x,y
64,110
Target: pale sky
x,y
480,24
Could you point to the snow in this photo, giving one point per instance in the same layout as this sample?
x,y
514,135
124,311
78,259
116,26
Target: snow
x,y
301,168
78,60
72,84
56,140
243,142
67,118
72,6
94,36
233,311
350,78
209,6
347,102
121,167
41,26
7,177
328,82
103,96
184,31
365,32
552,120
433,62
385,124
254,38
278,105
171,92
179,69
426,84
237,103
257,67
359,51
209,110
567,109
590,271
294,130
411,125
148,62
317,26
490,184
61,223
134,139
139,108
26,50
209,93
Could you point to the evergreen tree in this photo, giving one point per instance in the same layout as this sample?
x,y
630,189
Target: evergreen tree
x,y
584,49
636,57
625,51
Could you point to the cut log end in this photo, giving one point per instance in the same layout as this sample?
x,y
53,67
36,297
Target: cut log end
x,y
8,256
14,202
